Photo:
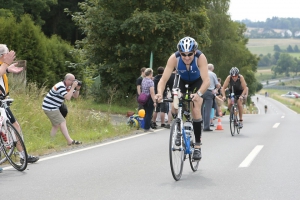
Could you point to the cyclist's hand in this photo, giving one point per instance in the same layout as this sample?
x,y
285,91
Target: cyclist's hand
x,y
195,97
158,97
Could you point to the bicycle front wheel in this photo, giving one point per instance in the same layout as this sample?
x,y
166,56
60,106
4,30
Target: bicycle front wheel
x,y
176,153
232,121
238,130
14,148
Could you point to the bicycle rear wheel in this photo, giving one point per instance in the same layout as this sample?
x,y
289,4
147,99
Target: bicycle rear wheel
x,y
10,147
176,153
193,163
232,121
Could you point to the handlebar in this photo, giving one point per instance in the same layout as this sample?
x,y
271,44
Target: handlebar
x,y
171,100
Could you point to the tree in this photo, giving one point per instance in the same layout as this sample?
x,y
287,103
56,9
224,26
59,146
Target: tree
x,y
120,35
277,48
290,49
34,8
228,44
45,57
60,23
296,49
296,67
284,64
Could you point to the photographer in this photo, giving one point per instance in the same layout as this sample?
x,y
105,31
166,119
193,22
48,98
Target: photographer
x,y
55,109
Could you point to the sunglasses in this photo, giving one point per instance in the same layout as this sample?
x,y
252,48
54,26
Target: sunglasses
x,y
234,76
184,55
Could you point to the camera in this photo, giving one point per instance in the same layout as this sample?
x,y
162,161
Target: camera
x,y
79,82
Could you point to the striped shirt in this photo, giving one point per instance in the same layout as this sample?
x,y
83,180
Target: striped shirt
x,y
55,97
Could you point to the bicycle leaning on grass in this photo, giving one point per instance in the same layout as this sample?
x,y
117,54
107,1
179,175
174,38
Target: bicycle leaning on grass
x,y
12,146
185,132
233,118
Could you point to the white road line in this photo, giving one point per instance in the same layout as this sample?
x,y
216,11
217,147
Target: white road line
x,y
276,125
88,148
282,116
251,156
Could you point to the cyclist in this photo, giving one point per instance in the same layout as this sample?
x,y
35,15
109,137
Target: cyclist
x,y
266,108
191,65
257,99
236,82
6,58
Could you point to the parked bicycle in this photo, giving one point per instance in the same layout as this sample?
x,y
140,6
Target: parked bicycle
x,y
184,130
234,119
12,146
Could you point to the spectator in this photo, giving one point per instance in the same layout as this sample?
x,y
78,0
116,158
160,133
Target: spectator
x,y
208,97
148,88
138,85
53,101
6,59
163,106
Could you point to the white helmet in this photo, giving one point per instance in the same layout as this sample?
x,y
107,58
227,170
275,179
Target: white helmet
x,y
234,71
187,44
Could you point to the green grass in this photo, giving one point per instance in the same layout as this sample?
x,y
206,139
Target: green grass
x,y
86,121
293,104
265,46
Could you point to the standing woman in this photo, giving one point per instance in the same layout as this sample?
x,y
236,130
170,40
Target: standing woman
x,y
148,88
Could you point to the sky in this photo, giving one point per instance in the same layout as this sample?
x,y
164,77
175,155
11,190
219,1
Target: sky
x,y
260,10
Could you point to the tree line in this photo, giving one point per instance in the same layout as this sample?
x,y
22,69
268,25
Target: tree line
x,y
115,38
281,61
268,26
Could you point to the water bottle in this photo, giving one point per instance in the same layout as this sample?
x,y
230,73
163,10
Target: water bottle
x,y
232,98
188,127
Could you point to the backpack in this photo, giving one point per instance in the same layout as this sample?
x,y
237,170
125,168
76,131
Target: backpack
x,y
143,98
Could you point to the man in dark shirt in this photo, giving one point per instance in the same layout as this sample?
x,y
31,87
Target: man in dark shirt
x,y
161,107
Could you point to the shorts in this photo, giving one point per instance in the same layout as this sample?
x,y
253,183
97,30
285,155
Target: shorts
x,y
193,87
55,117
162,107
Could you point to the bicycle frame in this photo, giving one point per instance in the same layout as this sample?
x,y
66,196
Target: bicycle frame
x,y
11,142
186,138
3,119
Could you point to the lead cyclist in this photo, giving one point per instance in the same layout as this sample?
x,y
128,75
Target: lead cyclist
x,y
191,65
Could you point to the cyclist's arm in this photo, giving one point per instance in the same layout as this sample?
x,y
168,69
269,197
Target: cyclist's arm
x,y
171,64
225,85
244,86
202,65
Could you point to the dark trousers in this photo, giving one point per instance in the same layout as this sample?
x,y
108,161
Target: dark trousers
x,y
149,108
208,97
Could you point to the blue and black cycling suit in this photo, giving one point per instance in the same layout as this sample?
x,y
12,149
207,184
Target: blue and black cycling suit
x,y
192,76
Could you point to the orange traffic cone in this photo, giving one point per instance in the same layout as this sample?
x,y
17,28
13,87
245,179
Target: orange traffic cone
x,y
219,126
220,113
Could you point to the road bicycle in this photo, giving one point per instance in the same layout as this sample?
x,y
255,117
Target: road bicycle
x,y
184,130
234,119
12,146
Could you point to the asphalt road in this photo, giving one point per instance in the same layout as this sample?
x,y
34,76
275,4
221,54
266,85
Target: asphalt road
x,y
262,162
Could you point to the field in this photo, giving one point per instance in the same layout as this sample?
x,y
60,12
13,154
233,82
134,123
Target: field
x,y
265,46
